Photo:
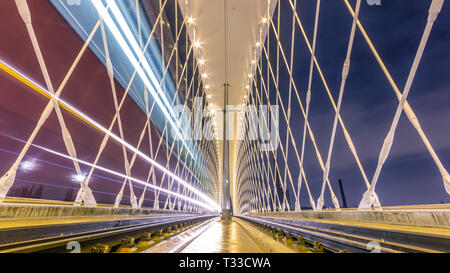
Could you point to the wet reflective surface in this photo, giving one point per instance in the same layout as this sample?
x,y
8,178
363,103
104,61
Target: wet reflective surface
x,y
234,236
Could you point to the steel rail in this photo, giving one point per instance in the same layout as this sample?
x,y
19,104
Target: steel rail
x,y
90,238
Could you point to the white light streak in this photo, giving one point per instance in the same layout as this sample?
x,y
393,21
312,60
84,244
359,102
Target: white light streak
x,y
80,178
121,141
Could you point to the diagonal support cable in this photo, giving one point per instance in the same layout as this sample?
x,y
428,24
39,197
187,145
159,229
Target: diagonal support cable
x,y
408,110
370,198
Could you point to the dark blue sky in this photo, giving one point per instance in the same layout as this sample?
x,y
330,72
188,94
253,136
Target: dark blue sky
x,y
409,176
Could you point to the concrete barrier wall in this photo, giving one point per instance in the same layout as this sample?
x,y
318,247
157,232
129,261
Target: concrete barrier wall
x,y
39,211
435,219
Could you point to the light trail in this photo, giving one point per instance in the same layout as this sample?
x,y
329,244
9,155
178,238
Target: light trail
x,y
26,80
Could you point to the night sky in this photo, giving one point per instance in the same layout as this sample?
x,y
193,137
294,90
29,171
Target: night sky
x,y
409,176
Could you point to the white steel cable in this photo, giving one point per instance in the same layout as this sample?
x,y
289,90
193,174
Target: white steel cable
x,y
266,122
209,207
97,125
151,171
54,96
370,198
80,196
7,180
319,156
171,182
297,199
282,148
254,172
308,101
345,72
291,134
259,97
254,153
166,130
139,62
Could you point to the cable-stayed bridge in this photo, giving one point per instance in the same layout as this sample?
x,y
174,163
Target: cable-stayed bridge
x,y
224,126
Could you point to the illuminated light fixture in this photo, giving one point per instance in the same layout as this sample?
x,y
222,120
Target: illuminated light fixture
x,y
247,87
250,76
95,124
209,96
207,86
264,20
201,61
253,61
245,97
258,44
137,65
204,75
190,20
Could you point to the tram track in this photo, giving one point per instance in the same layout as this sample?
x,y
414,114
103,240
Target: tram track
x,y
341,238
112,239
